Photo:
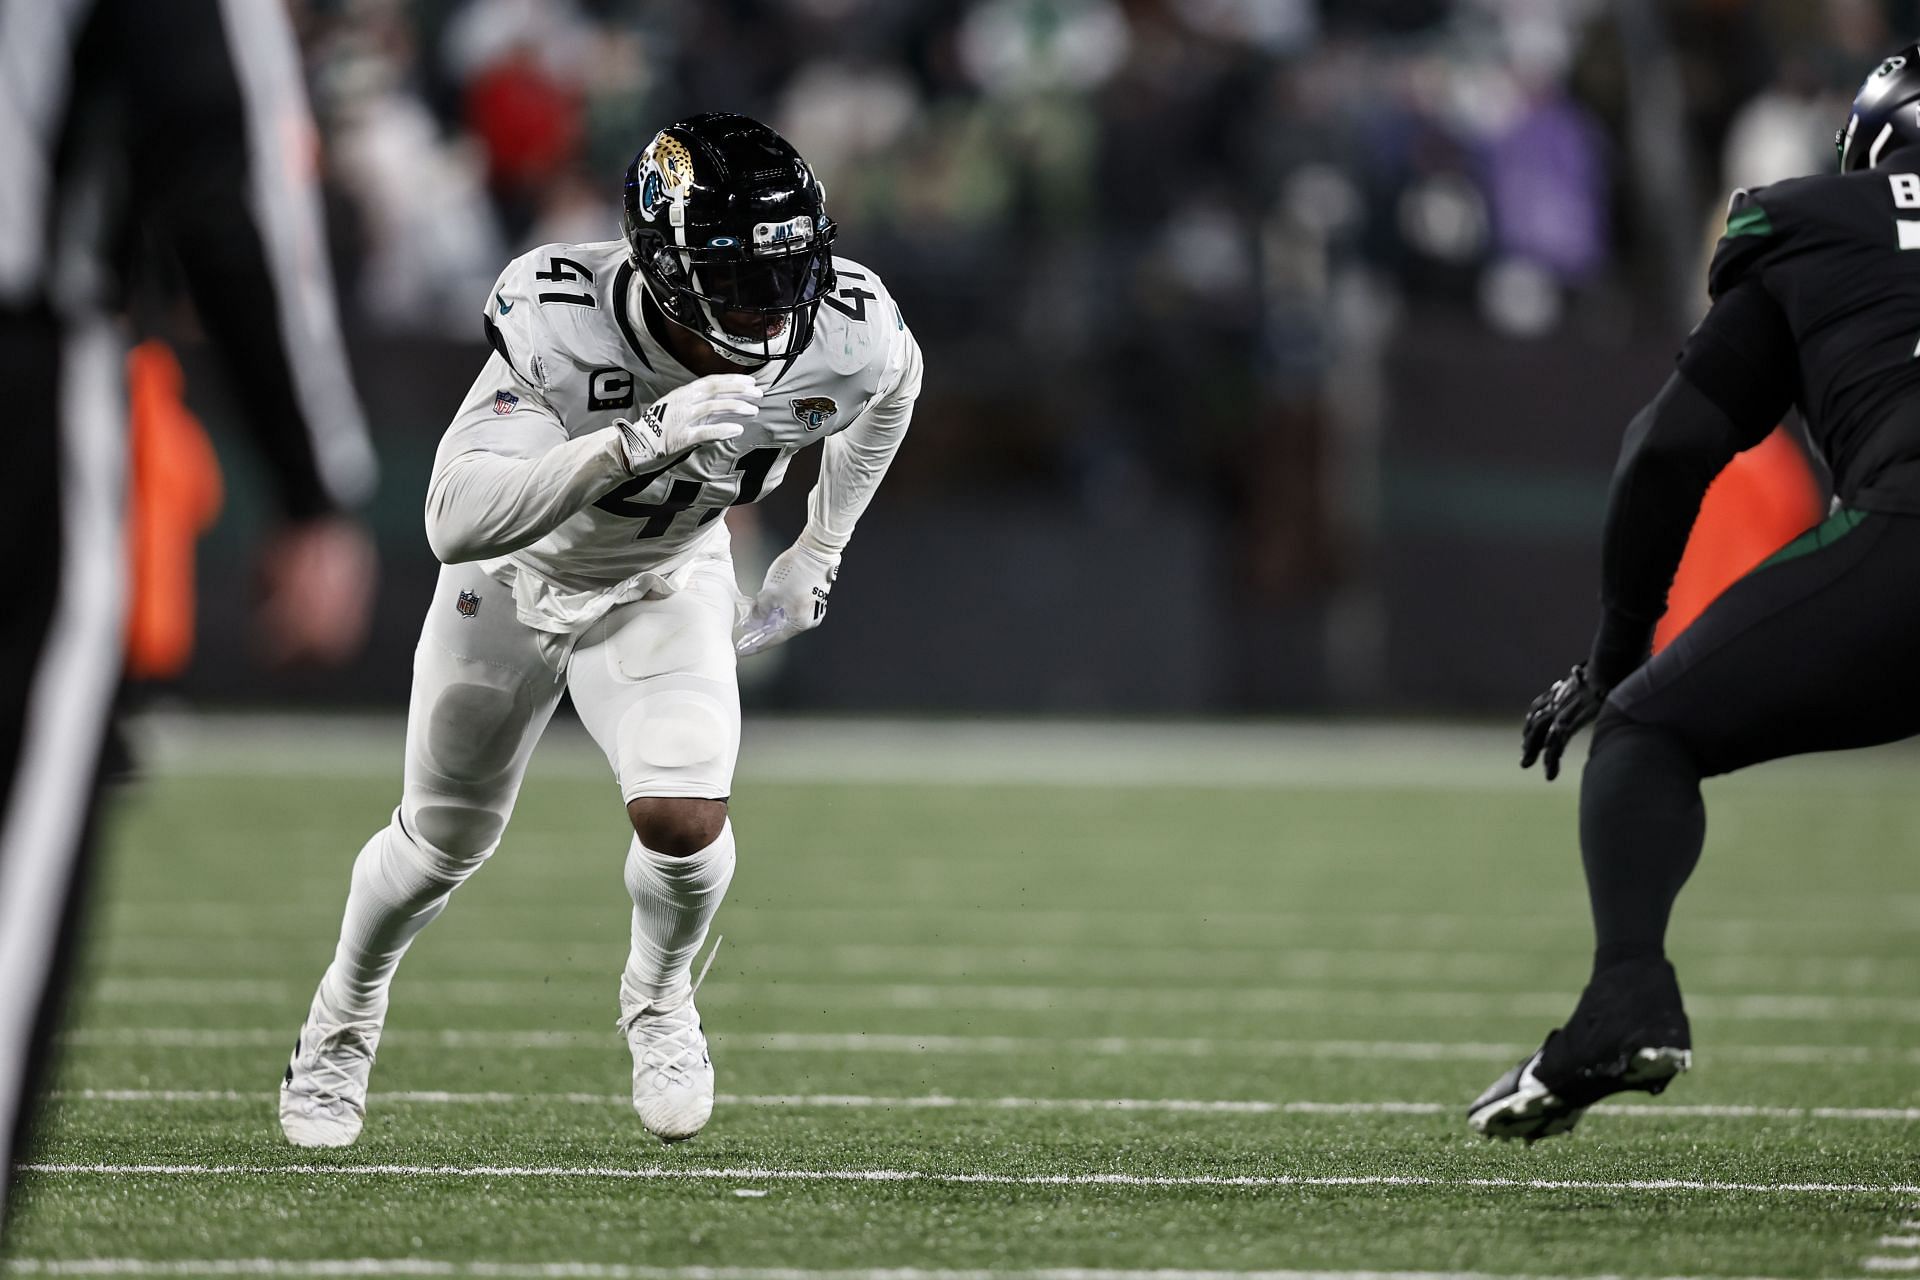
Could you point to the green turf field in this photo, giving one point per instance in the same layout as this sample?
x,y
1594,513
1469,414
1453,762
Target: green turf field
x,y
998,1002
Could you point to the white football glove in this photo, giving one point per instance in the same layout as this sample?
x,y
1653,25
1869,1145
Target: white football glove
x,y
792,599
687,417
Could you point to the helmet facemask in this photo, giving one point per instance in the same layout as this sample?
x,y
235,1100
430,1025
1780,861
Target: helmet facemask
x,y
756,309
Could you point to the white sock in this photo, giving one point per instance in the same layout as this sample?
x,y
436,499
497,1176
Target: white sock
x,y
674,900
399,886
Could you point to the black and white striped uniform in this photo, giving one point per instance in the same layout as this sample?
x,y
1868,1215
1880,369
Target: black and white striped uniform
x,y
183,124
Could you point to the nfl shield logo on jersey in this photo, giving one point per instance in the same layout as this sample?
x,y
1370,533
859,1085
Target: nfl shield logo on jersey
x,y
813,411
467,605
505,402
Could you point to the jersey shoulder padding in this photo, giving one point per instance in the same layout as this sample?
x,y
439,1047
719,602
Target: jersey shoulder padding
x,y
1767,224
859,324
554,308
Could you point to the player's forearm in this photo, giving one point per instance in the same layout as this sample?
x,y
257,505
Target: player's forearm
x,y
852,464
482,504
1736,379
1673,451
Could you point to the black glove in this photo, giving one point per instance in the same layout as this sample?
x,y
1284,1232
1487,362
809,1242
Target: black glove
x,y
1555,716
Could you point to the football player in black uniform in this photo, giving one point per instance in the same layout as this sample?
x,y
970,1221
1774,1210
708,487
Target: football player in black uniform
x,y
1816,303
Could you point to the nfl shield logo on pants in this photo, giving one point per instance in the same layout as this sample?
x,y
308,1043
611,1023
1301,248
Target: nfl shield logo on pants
x,y
468,604
505,402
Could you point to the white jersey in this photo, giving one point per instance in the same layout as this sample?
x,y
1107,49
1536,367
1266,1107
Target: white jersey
x,y
575,349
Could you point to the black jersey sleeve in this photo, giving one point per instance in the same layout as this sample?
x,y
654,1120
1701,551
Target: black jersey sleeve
x,y
1742,356
224,155
1734,382
1750,237
1776,225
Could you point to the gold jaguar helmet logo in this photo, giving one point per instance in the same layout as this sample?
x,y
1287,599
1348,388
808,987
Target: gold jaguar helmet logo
x,y
666,172
675,161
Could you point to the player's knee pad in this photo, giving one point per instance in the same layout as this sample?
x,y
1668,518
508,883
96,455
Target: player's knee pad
x,y
457,833
679,739
400,856
676,729
442,841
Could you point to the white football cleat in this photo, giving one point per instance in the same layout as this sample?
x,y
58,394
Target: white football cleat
x,y
323,1097
672,1073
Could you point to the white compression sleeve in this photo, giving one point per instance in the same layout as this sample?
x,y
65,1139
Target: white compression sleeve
x,y
853,461
504,481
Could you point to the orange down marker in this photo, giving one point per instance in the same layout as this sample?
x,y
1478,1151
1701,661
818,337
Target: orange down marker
x,y
1766,497
174,494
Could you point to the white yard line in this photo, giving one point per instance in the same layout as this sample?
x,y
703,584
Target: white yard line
x,y
856,1042
1010,998
627,1271
752,1174
943,1102
1897,1262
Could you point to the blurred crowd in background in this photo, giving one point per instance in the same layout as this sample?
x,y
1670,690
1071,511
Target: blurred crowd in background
x,y
1313,285
1184,210
1213,165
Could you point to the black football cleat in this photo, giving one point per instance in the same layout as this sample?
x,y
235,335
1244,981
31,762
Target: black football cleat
x,y
1629,1032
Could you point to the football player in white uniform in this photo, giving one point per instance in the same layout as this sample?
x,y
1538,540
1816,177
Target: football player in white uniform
x,y
637,389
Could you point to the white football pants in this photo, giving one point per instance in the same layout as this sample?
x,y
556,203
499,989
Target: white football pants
x,y
653,682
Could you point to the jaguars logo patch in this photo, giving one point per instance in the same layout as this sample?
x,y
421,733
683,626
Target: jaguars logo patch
x,y
666,172
812,412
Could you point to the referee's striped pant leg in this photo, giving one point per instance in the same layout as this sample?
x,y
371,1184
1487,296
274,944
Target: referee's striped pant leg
x,y
61,530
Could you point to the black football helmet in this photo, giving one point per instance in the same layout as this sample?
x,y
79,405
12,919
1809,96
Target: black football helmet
x,y
1886,113
728,227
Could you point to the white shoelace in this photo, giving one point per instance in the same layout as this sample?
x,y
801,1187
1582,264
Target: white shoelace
x,y
328,1067
712,951
677,1052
